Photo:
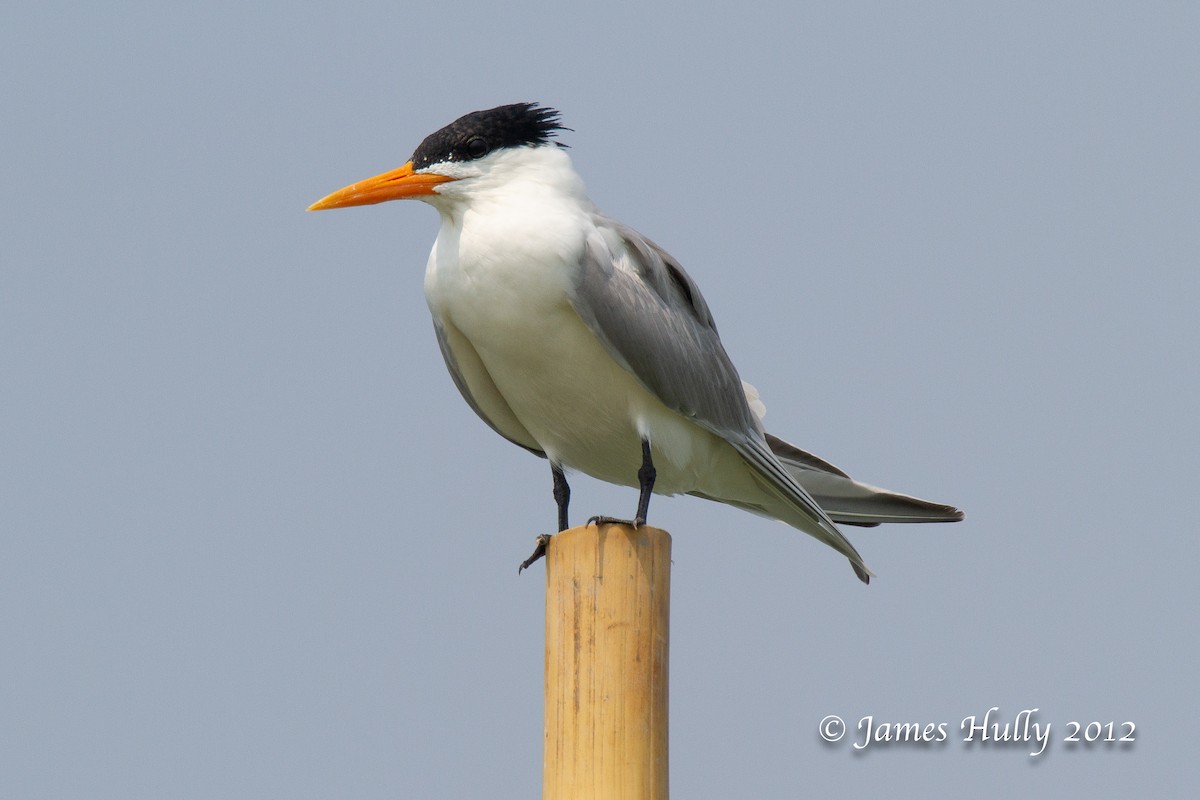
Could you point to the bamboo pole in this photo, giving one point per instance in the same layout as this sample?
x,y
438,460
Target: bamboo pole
x,y
607,622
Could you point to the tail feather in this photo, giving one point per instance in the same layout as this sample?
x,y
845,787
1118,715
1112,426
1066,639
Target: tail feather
x,y
850,502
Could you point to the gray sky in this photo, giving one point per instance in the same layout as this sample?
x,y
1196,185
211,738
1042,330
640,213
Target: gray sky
x,y
254,545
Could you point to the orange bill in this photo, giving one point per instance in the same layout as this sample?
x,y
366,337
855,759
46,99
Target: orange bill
x,y
395,185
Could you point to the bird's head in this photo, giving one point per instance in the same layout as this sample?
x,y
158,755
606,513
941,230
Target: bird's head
x,y
477,150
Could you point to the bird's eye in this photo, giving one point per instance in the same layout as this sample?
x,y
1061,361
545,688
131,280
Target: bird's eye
x,y
477,147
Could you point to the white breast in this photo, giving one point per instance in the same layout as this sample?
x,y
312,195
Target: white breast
x,y
503,287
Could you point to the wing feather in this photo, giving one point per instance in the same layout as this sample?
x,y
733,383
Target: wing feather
x,y
652,318
650,315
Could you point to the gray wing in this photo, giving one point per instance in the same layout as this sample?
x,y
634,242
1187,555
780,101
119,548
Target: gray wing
x,y
653,320
649,312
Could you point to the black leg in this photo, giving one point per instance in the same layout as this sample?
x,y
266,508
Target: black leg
x,y
562,497
646,476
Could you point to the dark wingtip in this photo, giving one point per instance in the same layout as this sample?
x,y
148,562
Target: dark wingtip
x,y
862,574
953,514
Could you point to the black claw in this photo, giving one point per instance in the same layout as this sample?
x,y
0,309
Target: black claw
x,y
601,519
538,552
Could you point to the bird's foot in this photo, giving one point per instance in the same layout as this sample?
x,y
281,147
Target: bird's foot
x,y
538,552
634,523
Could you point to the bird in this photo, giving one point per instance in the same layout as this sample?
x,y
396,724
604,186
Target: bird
x,y
585,343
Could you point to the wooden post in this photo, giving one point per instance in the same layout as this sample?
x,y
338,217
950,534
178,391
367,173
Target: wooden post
x,y
607,620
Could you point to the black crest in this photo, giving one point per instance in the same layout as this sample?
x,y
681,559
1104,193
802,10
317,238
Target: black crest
x,y
482,132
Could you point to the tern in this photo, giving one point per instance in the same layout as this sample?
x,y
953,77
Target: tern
x,y
580,340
